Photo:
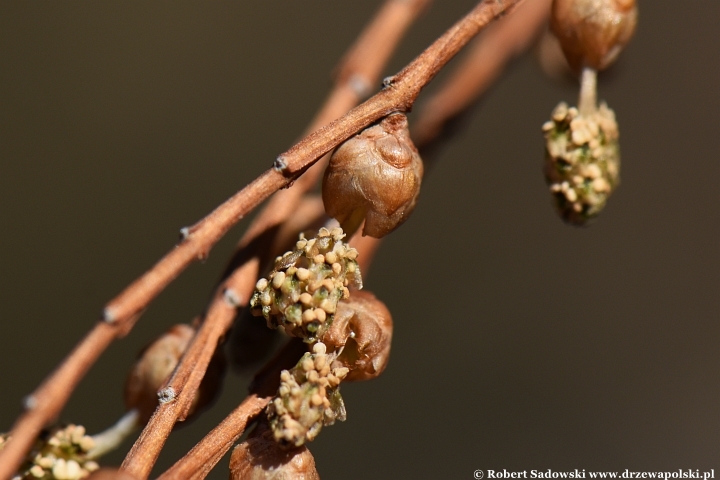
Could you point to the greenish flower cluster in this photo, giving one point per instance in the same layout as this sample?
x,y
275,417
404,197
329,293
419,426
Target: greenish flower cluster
x,y
582,160
308,399
302,292
59,454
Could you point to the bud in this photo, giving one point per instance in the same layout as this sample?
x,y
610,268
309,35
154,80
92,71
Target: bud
x,y
60,453
582,160
308,399
261,458
155,365
362,328
374,176
302,292
593,32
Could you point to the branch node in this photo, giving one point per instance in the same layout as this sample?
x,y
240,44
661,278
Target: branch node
x,y
184,233
388,81
166,395
280,165
108,315
30,402
231,297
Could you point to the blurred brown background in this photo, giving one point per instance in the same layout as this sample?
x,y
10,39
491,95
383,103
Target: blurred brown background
x,y
520,343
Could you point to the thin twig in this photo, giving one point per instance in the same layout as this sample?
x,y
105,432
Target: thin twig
x,y
399,95
358,68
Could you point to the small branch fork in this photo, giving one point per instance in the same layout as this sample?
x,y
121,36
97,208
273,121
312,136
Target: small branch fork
x,y
122,312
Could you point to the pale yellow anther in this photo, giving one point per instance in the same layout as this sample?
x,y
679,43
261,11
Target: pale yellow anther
x,y
336,268
308,364
319,348
316,400
59,470
302,274
331,257
73,469
87,443
305,298
319,258
320,314
600,185
308,316
265,298
320,362
328,306
278,279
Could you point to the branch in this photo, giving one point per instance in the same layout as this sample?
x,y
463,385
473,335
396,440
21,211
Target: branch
x,y
359,67
120,314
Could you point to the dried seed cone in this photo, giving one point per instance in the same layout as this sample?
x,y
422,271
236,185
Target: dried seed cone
x,y
593,32
261,458
362,328
308,399
155,365
302,292
582,161
374,176
60,453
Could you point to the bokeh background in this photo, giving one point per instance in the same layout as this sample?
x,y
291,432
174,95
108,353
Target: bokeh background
x,y
520,342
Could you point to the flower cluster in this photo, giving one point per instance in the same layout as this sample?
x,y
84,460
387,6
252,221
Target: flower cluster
x,y
582,160
60,454
308,398
302,292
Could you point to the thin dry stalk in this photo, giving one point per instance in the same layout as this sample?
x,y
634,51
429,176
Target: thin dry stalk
x,y
399,95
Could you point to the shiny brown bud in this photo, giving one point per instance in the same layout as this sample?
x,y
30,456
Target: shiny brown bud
x,y
374,177
262,458
363,326
593,32
155,365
